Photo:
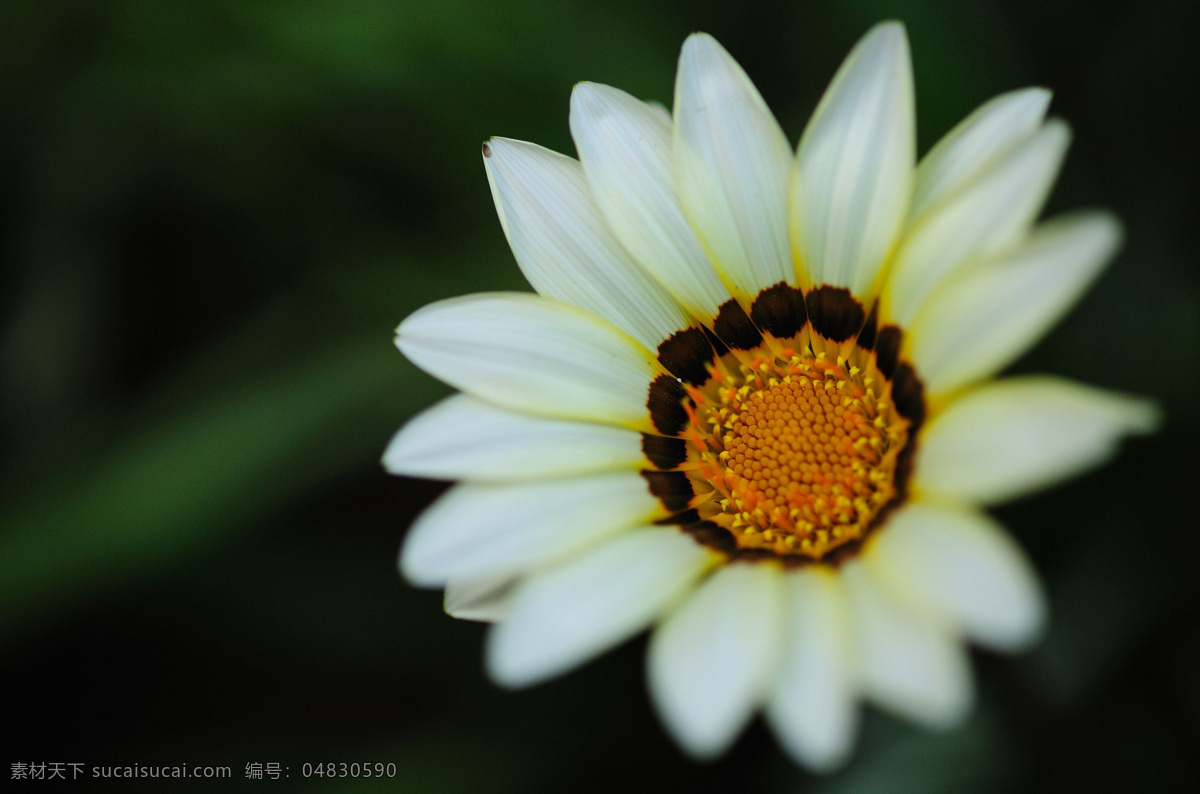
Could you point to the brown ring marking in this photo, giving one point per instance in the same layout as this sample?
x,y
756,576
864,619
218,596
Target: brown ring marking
x,y
834,313
672,488
908,395
734,328
870,330
719,347
712,535
887,350
665,402
779,310
665,453
686,354
682,520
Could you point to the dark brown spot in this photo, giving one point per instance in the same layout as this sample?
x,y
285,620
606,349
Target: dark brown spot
x,y
718,346
672,488
904,467
487,150
713,535
834,313
686,353
665,453
684,519
666,405
779,310
734,328
866,337
887,350
908,395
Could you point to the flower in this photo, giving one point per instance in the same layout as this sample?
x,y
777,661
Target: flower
x,y
752,405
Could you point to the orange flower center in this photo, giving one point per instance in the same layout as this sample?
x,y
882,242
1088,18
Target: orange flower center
x,y
797,453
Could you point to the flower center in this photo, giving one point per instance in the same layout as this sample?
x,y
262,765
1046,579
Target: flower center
x,y
796,452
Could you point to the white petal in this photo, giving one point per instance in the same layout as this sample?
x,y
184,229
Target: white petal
x,y
1019,435
967,150
464,438
661,111
732,163
625,147
813,709
488,599
476,531
909,664
712,662
854,167
532,354
962,566
987,217
564,248
565,616
979,322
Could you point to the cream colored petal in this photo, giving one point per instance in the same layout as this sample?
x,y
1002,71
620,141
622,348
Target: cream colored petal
x,y
967,150
462,437
532,354
625,147
987,217
961,565
909,663
1019,435
565,616
712,662
487,600
853,175
563,246
662,112
477,531
812,708
980,321
732,163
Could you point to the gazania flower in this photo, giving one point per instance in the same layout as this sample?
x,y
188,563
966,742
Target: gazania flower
x,y
751,405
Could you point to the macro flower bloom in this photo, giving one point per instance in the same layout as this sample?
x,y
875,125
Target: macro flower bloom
x,y
752,402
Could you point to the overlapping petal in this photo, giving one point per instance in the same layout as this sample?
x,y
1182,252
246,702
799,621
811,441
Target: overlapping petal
x,y
813,707
989,215
532,354
486,599
462,437
851,185
981,321
961,566
564,247
711,663
567,615
625,147
971,147
732,162
909,664
1018,435
481,531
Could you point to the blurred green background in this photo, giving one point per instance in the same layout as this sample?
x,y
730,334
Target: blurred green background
x,y
212,216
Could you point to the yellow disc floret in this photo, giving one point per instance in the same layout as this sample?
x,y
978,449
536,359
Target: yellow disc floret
x,y
797,453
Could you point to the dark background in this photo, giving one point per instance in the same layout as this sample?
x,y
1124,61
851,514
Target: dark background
x,y
212,216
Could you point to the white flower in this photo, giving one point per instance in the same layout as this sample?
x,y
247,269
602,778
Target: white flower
x,y
750,405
